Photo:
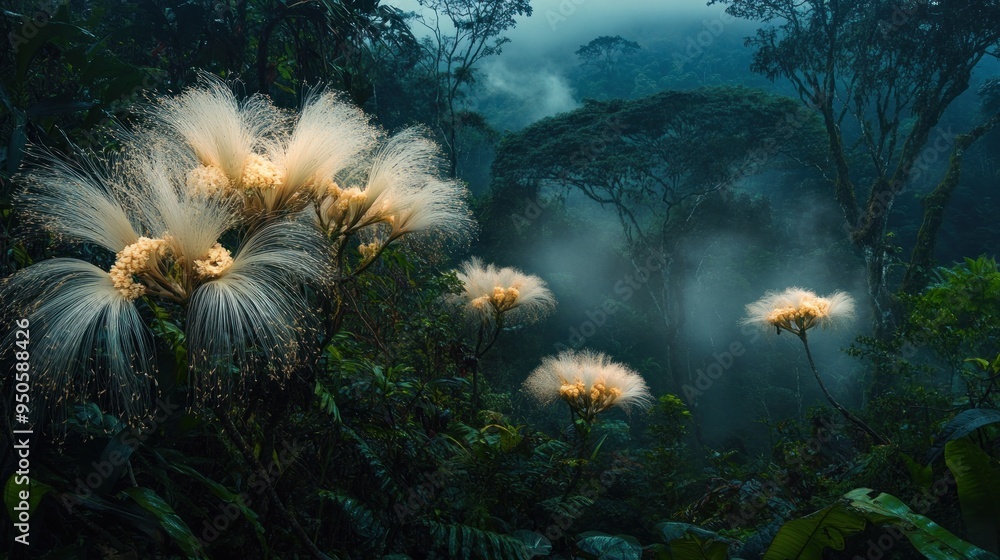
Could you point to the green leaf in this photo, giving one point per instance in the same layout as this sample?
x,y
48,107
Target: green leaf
x,y
327,401
606,547
961,425
467,542
363,520
535,542
12,495
922,475
978,482
693,547
985,364
807,537
690,542
168,519
224,494
932,540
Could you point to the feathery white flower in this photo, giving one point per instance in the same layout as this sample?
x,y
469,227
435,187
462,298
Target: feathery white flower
x,y
328,137
403,189
81,203
85,335
220,130
588,381
251,314
167,246
796,311
490,292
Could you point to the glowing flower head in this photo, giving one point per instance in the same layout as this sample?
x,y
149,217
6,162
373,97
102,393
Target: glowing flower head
x,y
796,311
589,382
209,123
400,192
491,293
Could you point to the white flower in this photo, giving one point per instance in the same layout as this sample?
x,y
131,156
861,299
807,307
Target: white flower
x,y
589,382
796,311
490,292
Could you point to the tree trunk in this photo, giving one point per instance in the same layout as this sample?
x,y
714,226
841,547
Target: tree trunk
x,y
922,257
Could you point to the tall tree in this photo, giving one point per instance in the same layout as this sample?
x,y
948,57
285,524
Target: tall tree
x,y
656,161
462,33
881,74
604,53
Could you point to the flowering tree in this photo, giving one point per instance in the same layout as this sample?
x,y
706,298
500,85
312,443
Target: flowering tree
x,y
219,210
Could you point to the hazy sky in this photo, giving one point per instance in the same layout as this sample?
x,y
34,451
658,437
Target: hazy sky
x,y
533,64
557,22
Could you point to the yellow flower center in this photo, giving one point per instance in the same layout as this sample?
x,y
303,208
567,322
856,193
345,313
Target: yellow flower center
x,y
504,299
369,250
132,260
207,180
260,173
598,399
215,264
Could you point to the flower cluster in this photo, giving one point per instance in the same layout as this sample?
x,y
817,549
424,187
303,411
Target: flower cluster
x,y
209,168
133,260
796,310
215,264
270,163
588,382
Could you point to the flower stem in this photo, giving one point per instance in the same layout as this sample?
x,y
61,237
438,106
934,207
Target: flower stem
x,y
583,438
847,414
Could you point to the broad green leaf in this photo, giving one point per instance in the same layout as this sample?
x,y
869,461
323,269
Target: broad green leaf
x,y
922,475
932,540
606,547
535,542
694,547
978,481
168,519
223,493
114,459
807,537
960,426
690,542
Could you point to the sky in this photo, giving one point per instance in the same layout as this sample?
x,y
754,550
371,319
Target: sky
x,y
556,23
531,70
